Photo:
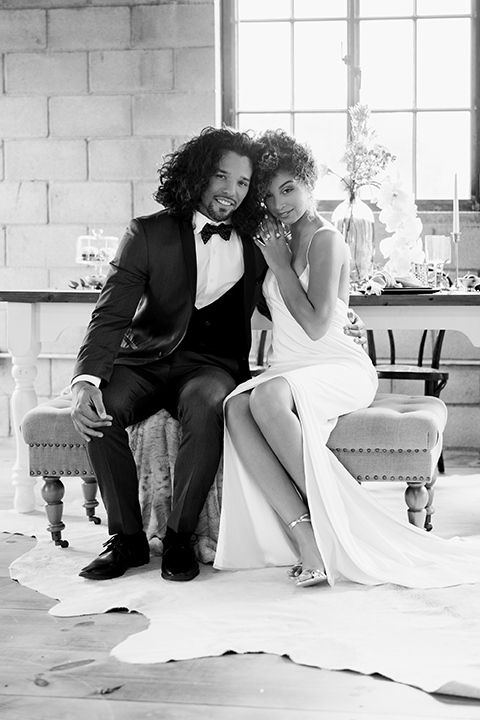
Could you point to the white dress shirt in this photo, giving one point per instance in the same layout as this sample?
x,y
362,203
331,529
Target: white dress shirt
x,y
220,265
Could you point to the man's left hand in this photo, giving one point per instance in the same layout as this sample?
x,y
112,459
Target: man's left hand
x,y
356,328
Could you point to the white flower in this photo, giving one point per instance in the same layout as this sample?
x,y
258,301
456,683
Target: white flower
x,y
399,214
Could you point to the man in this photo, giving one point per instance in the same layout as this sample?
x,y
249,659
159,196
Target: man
x,y
171,329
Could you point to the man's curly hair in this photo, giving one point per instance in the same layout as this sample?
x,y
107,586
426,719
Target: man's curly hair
x,y
279,151
186,172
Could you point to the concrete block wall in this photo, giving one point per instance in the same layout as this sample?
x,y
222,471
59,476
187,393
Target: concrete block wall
x,y
92,94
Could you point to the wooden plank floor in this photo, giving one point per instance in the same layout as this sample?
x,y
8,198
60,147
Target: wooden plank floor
x,y
61,667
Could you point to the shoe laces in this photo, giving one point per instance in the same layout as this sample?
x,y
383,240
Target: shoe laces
x,y
117,542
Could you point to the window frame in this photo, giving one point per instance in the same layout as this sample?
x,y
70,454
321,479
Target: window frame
x,y
228,76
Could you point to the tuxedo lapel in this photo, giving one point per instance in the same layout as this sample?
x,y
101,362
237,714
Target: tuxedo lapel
x,y
188,244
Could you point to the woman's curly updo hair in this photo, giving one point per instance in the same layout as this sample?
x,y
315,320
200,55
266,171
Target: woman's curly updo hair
x,y
186,172
279,151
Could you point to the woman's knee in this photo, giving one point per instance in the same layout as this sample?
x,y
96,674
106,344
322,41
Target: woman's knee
x,y
236,408
271,398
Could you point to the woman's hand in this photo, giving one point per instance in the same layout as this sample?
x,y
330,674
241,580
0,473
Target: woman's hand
x,y
272,241
356,328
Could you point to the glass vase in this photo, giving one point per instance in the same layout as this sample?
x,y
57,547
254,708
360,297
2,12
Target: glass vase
x,y
354,219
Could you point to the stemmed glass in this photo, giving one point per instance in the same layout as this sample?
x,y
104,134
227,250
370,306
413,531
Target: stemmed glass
x,y
438,252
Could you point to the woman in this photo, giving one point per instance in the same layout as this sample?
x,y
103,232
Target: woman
x,y
285,494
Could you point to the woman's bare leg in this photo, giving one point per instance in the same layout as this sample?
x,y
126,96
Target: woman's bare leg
x,y
268,472
273,409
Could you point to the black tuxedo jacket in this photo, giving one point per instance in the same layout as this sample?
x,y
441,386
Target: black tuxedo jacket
x,y
144,309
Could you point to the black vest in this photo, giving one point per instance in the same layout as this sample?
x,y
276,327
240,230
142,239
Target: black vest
x,y
218,328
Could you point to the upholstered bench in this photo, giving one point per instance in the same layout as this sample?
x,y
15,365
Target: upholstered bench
x,y
397,438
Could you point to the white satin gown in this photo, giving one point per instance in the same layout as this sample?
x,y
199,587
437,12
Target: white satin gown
x,y
358,538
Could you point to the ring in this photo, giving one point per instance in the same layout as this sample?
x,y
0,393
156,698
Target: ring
x,y
278,235
268,236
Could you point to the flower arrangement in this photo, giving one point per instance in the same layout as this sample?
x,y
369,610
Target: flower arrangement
x,y
364,158
399,214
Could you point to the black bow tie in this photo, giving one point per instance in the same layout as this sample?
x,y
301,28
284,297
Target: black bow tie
x,y
208,230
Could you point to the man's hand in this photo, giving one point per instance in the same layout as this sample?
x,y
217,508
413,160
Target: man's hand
x,y
88,411
356,328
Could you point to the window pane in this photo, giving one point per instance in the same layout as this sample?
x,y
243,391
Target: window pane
x,y
266,9
259,122
443,74
443,7
320,8
395,132
319,45
386,59
443,149
326,134
381,8
264,84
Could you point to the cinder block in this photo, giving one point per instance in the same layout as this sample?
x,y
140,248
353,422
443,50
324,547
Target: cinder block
x,y
90,116
23,117
132,71
68,342
23,203
173,114
457,346
195,69
143,202
7,384
62,373
116,229
132,159
5,428
89,28
46,159
3,328
44,246
173,25
463,385
3,246
23,30
463,427
61,277
91,202
46,74
28,278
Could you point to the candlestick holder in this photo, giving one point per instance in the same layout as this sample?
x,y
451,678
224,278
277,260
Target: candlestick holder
x,y
457,286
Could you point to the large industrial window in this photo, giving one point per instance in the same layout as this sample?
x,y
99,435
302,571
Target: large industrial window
x,y
299,65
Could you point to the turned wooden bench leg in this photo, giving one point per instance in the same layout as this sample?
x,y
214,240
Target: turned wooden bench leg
x,y
89,489
52,492
429,509
417,498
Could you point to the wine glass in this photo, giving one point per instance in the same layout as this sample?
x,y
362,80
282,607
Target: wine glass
x,y
438,252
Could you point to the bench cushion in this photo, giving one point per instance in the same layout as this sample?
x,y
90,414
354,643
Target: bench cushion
x,y
399,437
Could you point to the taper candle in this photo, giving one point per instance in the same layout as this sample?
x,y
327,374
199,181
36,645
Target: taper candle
x,y
456,217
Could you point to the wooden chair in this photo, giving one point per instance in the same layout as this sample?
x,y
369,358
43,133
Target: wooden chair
x,y
433,378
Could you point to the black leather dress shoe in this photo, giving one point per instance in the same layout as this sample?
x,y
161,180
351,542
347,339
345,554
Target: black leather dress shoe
x,y
178,562
122,552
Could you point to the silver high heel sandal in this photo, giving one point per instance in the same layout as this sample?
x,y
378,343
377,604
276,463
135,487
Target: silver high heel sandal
x,y
310,576
296,569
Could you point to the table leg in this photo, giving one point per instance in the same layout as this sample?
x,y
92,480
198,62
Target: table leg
x,y
24,348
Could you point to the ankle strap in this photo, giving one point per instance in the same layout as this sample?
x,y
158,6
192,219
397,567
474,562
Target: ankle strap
x,y
303,518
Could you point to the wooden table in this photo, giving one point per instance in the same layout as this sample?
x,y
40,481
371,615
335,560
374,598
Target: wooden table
x,y
37,316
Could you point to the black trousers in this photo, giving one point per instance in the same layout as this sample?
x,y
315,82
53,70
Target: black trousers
x,y
192,387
